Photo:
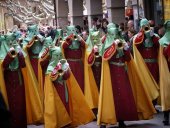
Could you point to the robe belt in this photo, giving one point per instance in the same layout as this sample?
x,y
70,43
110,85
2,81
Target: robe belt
x,y
97,63
71,59
35,56
151,60
118,63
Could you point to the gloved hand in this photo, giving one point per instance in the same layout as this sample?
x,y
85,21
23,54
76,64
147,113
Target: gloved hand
x,y
126,46
95,49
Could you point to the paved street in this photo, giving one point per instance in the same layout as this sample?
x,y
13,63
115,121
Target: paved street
x,y
154,123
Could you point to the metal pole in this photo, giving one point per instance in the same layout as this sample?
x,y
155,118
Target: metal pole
x,y
55,11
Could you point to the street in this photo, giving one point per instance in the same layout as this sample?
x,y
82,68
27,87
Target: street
x,y
156,122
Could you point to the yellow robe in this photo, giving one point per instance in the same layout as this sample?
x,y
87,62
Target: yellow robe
x,y
106,110
56,115
150,85
164,81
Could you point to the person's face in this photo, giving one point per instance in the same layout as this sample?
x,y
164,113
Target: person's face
x,y
130,34
104,24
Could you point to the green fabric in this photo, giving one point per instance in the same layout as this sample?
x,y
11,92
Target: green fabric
x,y
32,31
75,43
3,47
113,33
71,30
148,43
165,40
144,22
47,43
94,39
120,53
58,34
36,47
9,40
56,55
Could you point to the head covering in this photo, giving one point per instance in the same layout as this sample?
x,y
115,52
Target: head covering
x,y
93,39
165,40
144,22
47,43
59,34
71,30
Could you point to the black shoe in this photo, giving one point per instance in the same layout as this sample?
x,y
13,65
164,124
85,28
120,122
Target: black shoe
x,y
122,124
165,122
102,126
166,118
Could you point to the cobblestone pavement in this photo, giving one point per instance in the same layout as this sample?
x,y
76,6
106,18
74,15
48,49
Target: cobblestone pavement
x,y
156,122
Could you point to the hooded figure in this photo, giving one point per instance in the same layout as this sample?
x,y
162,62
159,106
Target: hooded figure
x,y
15,90
74,49
63,97
33,44
145,50
121,87
164,68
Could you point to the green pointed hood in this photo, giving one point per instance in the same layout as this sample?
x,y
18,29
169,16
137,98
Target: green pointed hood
x,y
56,55
47,43
9,40
93,39
59,34
165,40
31,32
71,30
144,22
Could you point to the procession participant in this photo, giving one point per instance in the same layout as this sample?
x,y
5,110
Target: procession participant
x,y
94,46
33,44
16,92
164,68
74,49
145,50
63,97
122,95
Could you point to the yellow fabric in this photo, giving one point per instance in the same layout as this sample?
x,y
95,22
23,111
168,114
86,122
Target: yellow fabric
x,y
164,81
151,86
55,114
80,111
2,85
34,105
91,90
106,108
143,102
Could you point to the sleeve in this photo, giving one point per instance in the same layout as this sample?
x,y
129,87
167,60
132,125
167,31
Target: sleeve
x,y
166,51
67,42
127,55
21,60
7,60
155,40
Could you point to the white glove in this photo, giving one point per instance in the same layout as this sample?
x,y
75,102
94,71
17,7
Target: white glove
x,y
117,41
96,49
151,32
79,38
126,46
12,48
